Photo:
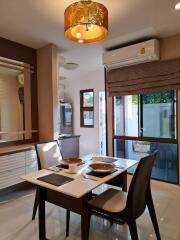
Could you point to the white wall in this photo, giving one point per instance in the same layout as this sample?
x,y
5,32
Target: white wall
x,y
89,75
89,137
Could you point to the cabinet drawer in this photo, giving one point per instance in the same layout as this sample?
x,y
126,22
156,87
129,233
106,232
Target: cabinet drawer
x,y
12,161
11,177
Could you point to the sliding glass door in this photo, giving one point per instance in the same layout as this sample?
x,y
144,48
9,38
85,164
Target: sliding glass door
x,y
145,123
158,115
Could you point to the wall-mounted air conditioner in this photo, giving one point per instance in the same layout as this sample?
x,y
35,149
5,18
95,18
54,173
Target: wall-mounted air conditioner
x,y
135,54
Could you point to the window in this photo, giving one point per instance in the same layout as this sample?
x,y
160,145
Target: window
x,y
87,108
145,123
147,115
158,115
165,165
126,115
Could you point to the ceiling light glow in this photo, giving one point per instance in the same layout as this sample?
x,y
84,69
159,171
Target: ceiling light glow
x,y
78,35
177,6
86,21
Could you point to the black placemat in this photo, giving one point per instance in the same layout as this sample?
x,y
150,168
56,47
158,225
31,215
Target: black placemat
x,y
55,179
101,175
67,167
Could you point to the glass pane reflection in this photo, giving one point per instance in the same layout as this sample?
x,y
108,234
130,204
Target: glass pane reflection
x,y
165,165
88,118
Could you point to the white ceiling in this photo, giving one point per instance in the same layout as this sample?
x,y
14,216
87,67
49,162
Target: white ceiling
x,y
88,58
38,22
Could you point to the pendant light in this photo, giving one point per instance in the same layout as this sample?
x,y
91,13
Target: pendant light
x,y
86,22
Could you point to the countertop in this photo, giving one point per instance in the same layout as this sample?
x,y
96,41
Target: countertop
x,y
15,149
65,136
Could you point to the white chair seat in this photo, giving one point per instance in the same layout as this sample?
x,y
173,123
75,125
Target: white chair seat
x,y
111,200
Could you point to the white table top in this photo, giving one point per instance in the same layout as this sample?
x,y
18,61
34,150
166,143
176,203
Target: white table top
x,y
79,186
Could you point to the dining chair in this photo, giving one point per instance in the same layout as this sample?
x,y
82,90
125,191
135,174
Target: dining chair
x,y
48,154
129,206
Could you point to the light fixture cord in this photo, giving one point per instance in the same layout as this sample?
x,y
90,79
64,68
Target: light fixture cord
x,y
87,29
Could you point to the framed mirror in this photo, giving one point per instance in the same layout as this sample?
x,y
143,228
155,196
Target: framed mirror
x,y
15,100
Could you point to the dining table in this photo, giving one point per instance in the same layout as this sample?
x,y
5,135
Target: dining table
x,y
75,194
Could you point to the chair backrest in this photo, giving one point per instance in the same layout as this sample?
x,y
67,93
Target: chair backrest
x,y
137,195
48,154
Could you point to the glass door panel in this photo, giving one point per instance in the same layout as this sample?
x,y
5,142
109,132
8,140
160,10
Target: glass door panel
x,y
131,115
165,164
158,115
119,116
145,123
126,111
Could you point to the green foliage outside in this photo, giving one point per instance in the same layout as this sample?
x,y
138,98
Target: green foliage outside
x,y
88,99
135,99
160,97
154,98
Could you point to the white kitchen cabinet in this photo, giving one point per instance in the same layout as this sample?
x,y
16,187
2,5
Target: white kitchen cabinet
x,y
15,165
11,177
31,161
12,161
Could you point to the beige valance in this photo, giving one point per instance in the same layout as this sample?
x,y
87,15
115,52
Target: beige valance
x,y
144,78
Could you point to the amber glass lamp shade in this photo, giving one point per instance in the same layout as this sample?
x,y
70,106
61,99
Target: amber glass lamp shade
x,y
86,22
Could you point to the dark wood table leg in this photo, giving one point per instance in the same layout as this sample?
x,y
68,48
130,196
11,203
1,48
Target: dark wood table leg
x,y
42,214
85,219
124,182
84,226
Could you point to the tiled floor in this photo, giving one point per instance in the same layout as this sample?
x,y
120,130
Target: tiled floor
x,y
16,224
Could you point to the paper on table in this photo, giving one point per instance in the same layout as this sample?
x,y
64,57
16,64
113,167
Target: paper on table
x,y
54,169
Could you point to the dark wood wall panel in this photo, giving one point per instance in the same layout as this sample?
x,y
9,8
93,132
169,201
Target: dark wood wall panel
x,y
144,78
19,52
16,51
